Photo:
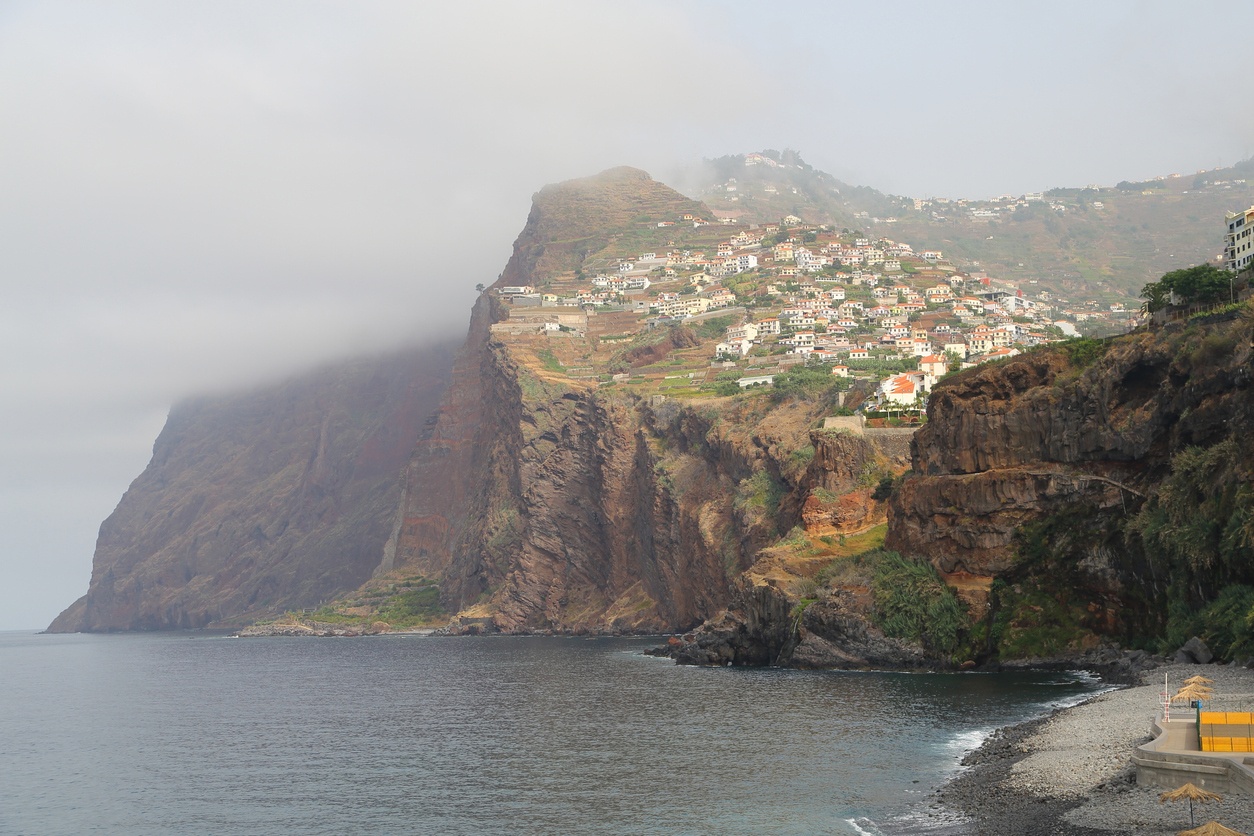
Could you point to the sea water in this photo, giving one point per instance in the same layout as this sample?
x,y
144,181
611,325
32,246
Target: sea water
x,y
188,733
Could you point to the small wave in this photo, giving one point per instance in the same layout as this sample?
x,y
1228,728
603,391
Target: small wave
x,y
1076,677
1076,699
968,741
864,827
929,823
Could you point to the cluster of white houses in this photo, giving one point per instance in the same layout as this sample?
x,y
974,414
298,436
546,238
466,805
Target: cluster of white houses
x,y
813,295
939,326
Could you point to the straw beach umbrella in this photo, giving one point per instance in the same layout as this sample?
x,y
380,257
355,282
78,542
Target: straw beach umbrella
x,y
1211,828
1191,793
1199,680
1191,693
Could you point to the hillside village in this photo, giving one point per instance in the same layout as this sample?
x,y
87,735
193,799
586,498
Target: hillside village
x,y
1088,243
764,299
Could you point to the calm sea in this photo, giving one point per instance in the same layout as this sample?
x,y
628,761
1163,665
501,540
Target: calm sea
x,y
171,733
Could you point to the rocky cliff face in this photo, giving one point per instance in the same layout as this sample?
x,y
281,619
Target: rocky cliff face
x,y
263,501
778,614
571,508
1032,472
566,505
538,499
1070,497
1016,441
541,496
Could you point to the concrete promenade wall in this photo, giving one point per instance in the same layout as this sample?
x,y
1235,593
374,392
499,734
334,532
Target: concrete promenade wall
x,y
1172,760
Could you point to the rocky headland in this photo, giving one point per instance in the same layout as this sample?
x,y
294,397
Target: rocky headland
x,y
529,484
262,501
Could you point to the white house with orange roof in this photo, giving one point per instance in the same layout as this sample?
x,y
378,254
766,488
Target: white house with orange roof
x,y
902,389
999,354
980,340
934,365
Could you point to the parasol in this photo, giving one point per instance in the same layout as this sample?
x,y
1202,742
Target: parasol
x,y
1211,828
1191,793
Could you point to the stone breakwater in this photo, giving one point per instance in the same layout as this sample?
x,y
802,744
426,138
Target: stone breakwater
x,y
1069,773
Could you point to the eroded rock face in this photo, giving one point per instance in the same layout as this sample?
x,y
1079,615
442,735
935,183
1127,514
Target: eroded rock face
x,y
967,522
536,501
1019,442
597,512
263,501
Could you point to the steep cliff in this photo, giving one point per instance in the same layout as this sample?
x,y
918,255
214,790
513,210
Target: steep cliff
x,y
805,601
540,496
567,504
262,501
1046,483
570,507
551,493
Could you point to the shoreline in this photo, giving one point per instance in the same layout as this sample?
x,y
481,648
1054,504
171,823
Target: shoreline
x,y
1069,772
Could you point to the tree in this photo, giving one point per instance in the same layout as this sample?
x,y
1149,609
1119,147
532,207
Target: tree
x,y
1156,297
1201,285
479,287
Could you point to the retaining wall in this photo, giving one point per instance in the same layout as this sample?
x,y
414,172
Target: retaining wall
x,y
1172,760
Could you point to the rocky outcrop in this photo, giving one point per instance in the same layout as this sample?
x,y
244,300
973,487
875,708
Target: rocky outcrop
x,y
1032,471
590,511
263,501
766,626
1015,442
778,613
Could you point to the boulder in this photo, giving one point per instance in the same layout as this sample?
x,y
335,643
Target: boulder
x,y
1194,652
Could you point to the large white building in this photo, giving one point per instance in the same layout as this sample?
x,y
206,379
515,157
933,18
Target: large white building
x,y
1239,241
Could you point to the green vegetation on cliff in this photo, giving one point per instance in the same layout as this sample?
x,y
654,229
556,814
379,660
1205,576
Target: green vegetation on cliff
x,y
912,602
380,606
1197,532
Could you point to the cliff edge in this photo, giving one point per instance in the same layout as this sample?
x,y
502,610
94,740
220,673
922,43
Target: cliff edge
x,y
262,501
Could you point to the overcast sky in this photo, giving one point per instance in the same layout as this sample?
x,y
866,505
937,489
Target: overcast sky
x,y
201,195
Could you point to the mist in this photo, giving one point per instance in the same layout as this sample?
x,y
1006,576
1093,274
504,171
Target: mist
x,y
203,196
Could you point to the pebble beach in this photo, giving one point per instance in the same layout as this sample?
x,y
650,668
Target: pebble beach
x,y
1070,772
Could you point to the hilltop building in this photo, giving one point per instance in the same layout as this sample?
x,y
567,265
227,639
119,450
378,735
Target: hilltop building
x,y
1239,241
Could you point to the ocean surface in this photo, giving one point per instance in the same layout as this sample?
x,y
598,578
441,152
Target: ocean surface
x,y
178,733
